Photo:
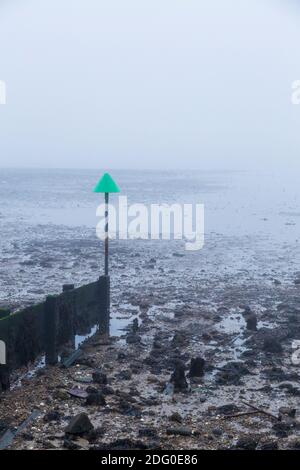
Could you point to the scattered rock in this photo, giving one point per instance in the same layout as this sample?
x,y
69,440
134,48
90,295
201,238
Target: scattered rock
x,y
95,399
148,432
61,394
272,345
282,429
267,445
52,416
124,375
229,409
99,377
79,424
95,434
176,417
287,413
70,445
231,373
293,444
217,431
123,444
183,431
247,443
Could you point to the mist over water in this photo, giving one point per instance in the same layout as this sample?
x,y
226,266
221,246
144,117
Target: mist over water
x,y
236,202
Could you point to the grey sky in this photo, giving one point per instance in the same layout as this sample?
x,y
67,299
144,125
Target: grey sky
x,y
149,83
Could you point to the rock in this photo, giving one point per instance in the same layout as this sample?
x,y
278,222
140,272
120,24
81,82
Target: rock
x,y
92,389
78,393
279,375
272,345
176,417
107,390
133,338
52,416
178,378
231,373
27,436
183,431
179,339
217,431
197,367
123,444
95,399
70,445
129,409
247,443
79,424
4,426
287,413
86,361
99,377
121,356
290,389
229,409
94,434
148,432
124,375
267,445
282,429
293,444
61,394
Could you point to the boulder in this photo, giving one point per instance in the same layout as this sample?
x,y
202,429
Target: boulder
x,y
79,424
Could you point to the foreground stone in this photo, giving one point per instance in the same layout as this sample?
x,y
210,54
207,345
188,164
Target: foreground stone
x,y
79,425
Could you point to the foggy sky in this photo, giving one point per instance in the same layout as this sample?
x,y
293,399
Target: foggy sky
x,y
149,83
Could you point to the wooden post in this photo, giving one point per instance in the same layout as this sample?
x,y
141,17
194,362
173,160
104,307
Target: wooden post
x,y
51,330
4,369
106,233
104,289
4,378
68,287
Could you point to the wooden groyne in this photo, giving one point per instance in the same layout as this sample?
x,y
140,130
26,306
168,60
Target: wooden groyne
x,y
46,327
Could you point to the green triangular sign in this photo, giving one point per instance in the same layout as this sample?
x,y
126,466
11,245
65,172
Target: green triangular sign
x,y
106,185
